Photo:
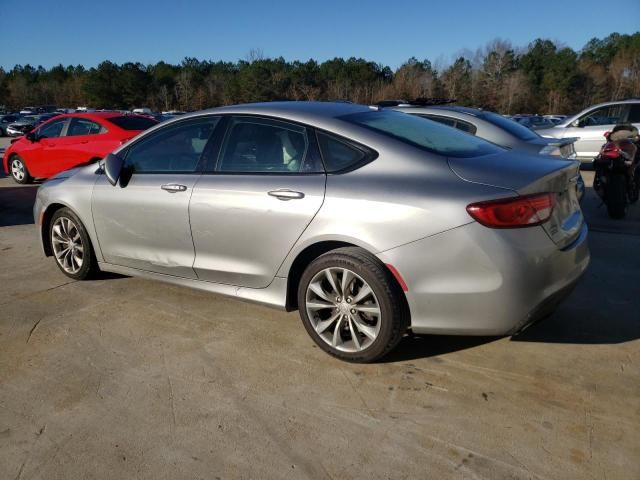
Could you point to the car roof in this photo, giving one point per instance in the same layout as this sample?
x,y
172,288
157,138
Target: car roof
x,y
92,114
302,111
443,108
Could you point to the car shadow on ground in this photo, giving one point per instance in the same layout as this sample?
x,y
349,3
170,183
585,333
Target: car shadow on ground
x,y
413,347
16,205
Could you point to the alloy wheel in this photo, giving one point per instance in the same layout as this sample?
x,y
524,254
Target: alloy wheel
x,y
17,170
67,245
343,309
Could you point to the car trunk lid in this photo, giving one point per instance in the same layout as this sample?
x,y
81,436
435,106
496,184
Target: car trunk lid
x,y
526,175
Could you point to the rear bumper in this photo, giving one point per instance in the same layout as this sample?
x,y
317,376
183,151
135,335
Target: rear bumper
x,y
473,280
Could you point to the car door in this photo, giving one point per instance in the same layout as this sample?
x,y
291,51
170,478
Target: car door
x,y
79,144
591,127
143,222
40,155
247,212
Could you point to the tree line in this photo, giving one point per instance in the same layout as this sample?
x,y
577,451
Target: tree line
x,y
543,77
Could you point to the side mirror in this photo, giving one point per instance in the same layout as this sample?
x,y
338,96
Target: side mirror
x,y
32,137
113,167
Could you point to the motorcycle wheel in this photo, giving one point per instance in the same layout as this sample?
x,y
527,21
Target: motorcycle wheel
x,y
634,191
615,196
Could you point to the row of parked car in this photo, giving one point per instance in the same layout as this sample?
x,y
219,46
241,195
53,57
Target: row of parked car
x,y
19,123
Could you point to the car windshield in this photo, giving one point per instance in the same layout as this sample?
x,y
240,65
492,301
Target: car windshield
x,y
133,123
423,133
511,126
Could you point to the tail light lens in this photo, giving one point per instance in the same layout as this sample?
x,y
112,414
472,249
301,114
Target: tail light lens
x,y
610,150
517,212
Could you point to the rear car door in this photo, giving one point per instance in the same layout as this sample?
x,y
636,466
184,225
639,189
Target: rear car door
x,y
249,209
143,222
85,139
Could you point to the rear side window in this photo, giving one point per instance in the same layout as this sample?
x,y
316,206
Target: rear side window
x,y
451,122
466,127
422,133
339,155
510,126
133,123
609,115
258,145
634,113
82,126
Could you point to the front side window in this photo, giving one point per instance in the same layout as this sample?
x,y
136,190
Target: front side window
x,y
609,115
82,126
51,130
422,133
174,149
257,145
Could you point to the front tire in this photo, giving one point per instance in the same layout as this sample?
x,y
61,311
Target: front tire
x,y
351,305
19,171
71,245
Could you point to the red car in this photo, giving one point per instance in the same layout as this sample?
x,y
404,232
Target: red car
x,y
70,140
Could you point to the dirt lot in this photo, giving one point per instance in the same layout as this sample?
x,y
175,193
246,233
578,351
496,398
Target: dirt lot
x,y
125,378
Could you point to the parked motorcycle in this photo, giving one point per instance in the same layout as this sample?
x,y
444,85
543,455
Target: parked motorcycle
x,y
617,178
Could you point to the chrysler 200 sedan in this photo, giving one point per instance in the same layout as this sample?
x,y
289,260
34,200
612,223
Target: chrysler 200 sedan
x,y
368,221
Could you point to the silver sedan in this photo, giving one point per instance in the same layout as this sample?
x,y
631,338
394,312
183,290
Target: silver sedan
x,y
368,221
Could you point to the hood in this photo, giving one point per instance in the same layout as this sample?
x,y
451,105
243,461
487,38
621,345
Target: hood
x,y
511,170
66,174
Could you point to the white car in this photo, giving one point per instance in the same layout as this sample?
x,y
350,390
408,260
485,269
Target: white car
x,y
590,125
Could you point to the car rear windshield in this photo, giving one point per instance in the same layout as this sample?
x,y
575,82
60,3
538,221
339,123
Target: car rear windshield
x,y
133,123
511,126
423,133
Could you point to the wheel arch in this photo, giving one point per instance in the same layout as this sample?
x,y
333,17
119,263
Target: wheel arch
x,y
308,255
45,223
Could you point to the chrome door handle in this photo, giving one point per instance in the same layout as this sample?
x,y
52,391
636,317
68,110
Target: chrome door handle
x,y
173,187
285,194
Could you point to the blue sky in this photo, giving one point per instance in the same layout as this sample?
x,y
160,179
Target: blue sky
x,y
391,31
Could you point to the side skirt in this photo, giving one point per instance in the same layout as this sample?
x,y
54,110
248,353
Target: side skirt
x,y
273,296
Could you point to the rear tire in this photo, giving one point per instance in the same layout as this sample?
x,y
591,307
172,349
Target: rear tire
x,y
615,198
351,305
18,170
71,245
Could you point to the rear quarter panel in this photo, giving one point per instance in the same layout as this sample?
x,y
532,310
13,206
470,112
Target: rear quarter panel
x,y
404,195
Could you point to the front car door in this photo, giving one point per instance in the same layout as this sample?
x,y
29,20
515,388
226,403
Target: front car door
x,y
40,155
591,127
248,211
143,222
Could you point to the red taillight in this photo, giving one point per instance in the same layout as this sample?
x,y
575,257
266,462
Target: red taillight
x,y
515,212
610,150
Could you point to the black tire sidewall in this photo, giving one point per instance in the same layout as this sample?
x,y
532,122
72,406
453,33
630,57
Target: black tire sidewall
x,y
88,262
615,195
377,278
